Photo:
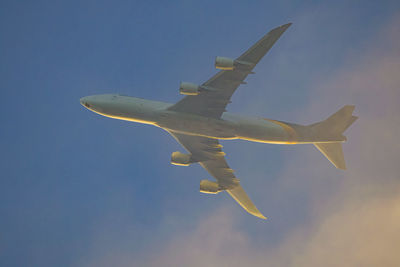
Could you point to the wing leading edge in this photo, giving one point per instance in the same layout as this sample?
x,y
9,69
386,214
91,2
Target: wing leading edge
x,y
208,153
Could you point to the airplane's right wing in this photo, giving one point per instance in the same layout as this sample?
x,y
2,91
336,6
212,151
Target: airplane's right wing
x,y
208,153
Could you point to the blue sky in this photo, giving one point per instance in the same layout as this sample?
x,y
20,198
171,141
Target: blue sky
x,y
80,189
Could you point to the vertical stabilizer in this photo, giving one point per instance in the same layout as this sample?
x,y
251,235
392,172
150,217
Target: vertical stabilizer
x,y
336,124
332,128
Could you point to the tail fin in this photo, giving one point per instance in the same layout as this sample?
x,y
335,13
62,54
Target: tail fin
x,y
336,124
333,127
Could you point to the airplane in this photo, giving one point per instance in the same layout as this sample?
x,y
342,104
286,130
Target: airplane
x,y
200,119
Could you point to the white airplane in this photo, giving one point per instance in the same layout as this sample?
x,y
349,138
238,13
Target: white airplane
x,y
200,119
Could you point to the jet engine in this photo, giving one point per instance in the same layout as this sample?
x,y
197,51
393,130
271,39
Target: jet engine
x,y
225,63
209,187
181,159
189,88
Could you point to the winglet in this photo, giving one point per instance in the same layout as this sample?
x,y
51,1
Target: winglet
x,y
243,199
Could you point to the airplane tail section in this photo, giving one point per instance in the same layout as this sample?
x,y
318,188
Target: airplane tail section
x,y
336,124
333,128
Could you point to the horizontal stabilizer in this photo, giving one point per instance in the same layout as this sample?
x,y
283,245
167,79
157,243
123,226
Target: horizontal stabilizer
x,y
333,152
241,197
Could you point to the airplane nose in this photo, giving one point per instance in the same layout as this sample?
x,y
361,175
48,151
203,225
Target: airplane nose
x,y
84,102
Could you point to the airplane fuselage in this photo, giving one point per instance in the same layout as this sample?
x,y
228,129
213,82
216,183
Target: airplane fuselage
x,y
229,126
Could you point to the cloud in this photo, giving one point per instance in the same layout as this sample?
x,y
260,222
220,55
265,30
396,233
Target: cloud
x,y
355,220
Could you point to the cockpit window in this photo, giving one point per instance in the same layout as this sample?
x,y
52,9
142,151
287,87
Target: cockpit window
x,y
86,105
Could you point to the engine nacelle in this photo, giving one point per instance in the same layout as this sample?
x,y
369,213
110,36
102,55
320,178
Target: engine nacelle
x,y
181,159
224,63
209,187
189,88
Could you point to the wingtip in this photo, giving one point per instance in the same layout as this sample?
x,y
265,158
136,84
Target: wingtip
x,y
341,167
283,27
263,217
257,214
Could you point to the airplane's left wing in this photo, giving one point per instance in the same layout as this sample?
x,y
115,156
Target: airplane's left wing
x,y
212,101
208,153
